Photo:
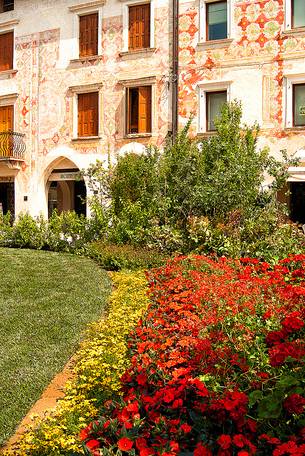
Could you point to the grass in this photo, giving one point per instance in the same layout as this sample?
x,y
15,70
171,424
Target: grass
x,y
46,300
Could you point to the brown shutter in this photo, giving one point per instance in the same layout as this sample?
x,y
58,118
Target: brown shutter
x,y
6,118
88,35
88,114
6,51
145,109
139,26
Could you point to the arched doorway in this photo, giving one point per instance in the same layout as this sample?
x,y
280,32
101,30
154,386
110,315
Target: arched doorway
x,y
66,188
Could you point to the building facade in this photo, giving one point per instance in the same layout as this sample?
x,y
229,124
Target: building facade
x,y
85,80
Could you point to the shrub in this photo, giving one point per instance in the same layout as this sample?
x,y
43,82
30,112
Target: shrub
x,y
28,232
160,200
67,232
99,364
5,229
114,257
217,364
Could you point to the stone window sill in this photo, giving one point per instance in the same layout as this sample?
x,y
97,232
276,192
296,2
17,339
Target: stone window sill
x,y
138,135
300,129
138,53
86,138
214,44
6,74
87,59
298,31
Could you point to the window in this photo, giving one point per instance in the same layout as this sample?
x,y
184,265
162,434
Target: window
x,y
298,13
298,105
6,118
6,51
139,27
139,110
88,114
6,5
216,19
88,35
214,103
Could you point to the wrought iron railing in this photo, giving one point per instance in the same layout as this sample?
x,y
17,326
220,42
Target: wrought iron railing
x,y
12,145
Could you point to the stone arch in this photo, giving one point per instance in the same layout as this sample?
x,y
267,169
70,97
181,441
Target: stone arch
x,y
63,190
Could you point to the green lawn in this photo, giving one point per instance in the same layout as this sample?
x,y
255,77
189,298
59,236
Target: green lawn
x,y
46,300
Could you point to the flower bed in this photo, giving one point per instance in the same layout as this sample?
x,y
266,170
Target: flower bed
x,y
100,362
217,364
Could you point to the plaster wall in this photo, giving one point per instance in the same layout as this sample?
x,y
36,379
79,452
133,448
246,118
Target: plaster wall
x,y
262,52
49,75
256,64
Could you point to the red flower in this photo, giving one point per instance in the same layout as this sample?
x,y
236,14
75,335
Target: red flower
x,y
133,407
294,404
186,428
141,443
146,452
239,440
125,444
292,323
202,450
174,446
224,441
84,433
93,444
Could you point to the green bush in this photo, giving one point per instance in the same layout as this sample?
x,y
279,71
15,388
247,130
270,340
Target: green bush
x,y
204,196
28,232
116,257
5,229
66,232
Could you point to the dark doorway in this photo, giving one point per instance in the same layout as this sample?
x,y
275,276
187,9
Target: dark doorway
x,y
297,202
80,197
7,198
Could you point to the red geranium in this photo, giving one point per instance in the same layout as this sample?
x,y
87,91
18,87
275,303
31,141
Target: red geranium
x,y
125,444
93,444
294,404
224,441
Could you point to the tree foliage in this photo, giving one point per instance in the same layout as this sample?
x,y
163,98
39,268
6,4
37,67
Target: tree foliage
x,y
217,180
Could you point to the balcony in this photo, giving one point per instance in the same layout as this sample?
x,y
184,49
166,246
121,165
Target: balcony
x,y
12,148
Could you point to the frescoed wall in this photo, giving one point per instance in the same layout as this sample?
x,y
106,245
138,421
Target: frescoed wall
x,y
48,71
256,64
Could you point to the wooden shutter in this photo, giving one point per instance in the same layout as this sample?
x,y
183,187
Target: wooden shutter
x,y
145,109
88,114
139,26
88,35
6,51
6,118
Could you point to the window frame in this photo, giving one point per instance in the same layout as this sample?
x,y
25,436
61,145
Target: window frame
x,y
128,112
207,4
96,133
81,10
125,7
288,100
292,17
133,83
74,91
289,17
294,85
207,95
80,16
208,87
6,32
203,18
2,6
